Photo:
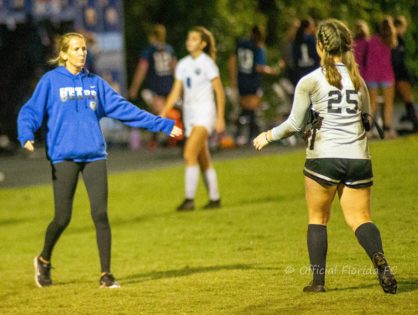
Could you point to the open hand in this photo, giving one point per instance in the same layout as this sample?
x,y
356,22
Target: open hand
x,y
176,132
29,146
262,140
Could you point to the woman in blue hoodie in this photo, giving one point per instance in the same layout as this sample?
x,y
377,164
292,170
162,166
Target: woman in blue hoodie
x,y
72,101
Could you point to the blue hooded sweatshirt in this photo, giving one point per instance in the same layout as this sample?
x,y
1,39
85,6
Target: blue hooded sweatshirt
x,y
73,106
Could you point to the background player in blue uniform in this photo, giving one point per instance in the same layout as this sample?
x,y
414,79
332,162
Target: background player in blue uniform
x,y
156,64
156,67
305,57
246,66
403,77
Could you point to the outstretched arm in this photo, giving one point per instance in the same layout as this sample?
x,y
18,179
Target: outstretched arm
x,y
117,107
296,120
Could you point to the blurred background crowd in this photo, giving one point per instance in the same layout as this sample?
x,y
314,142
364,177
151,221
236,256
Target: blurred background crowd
x,y
121,35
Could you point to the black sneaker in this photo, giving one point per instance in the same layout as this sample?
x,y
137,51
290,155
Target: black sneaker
x,y
42,273
186,205
386,278
212,204
108,281
314,288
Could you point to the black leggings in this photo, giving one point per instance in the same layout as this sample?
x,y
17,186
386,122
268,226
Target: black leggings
x,y
65,178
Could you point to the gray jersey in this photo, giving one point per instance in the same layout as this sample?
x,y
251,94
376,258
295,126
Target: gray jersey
x,y
341,134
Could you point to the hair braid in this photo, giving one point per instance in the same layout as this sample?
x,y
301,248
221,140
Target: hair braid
x,y
336,40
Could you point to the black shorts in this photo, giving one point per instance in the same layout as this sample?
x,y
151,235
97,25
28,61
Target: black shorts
x,y
354,173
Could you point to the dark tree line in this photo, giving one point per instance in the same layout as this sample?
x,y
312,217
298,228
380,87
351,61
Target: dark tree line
x,y
230,19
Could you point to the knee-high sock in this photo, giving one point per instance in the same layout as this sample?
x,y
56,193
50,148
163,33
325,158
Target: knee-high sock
x,y
191,180
368,236
211,180
317,248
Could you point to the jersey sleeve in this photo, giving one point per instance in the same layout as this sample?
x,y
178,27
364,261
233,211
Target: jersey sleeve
x,y
32,113
301,103
145,55
212,70
260,56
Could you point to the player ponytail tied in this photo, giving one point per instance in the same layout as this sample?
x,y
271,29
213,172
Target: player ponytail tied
x,y
208,38
336,40
351,64
63,43
328,38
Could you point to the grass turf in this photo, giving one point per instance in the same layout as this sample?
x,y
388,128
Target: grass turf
x,y
249,257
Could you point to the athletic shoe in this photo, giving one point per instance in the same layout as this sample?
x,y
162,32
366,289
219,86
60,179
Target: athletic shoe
x,y
385,276
42,273
108,281
314,288
212,204
186,205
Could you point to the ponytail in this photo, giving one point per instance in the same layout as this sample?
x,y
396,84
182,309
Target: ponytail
x,y
332,75
351,64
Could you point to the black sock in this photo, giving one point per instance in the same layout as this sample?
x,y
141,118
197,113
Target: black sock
x,y
368,236
317,248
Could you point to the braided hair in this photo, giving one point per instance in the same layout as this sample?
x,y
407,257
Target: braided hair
x,y
336,40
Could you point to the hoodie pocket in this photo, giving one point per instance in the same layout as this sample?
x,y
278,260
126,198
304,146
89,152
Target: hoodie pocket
x,y
79,140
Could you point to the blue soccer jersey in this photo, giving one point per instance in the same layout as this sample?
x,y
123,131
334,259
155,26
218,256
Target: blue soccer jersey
x,y
249,55
160,72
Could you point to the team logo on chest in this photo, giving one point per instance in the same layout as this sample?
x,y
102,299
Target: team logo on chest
x,y
93,105
197,71
72,93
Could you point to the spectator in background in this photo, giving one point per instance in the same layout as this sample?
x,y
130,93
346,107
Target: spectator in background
x,y
361,42
379,72
403,77
246,66
305,57
286,49
156,65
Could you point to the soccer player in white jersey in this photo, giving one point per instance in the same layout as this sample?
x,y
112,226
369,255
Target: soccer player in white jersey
x,y
197,76
338,161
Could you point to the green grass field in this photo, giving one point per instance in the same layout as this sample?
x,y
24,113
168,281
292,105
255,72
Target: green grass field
x,y
249,257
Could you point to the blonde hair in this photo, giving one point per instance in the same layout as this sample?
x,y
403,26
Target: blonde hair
x,y
387,32
336,40
208,38
63,45
361,29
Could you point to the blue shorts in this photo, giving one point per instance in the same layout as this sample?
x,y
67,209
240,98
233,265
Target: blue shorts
x,y
380,84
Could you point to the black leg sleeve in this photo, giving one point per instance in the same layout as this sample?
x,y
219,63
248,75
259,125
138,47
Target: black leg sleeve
x,y
64,179
317,248
95,179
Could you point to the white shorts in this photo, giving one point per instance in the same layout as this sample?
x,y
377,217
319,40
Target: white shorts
x,y
206,122
202,119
